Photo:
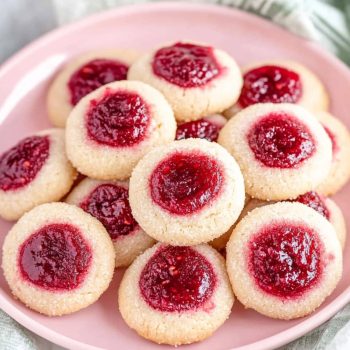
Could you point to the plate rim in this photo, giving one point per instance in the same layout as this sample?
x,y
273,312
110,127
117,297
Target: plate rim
x,y
274,341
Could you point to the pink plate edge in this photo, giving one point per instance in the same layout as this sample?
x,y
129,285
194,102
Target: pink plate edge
x,y
267,343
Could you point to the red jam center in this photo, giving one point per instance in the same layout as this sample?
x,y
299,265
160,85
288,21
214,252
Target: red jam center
x,y
109,203
55,258
270,84
94,74
177,279
185,182
20,164
186,65
331,135
280,141
119,119
202,129
313,200
285,259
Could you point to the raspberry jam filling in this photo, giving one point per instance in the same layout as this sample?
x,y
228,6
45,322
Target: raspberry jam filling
x,y
20,164
118,119
331,135
94,74
56,257
279,140
177,279
270,84
109,203
202,129
186,65
185,182
284,259
313,200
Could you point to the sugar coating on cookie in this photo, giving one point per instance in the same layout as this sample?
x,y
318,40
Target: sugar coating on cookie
x,y
207,128
34,171
57,259
339,173
110,129
283,151
108,201
283,260
188,192
280,82
176,295
197,80
82,75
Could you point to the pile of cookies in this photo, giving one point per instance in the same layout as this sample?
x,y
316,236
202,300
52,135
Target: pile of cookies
x,y
206,180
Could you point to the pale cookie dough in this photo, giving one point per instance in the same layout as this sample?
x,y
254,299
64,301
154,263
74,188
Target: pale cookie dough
x,y
268,273
128,130
339,173
71,269
280,149
175,318
108,202
51,181
314,96
59,99
197,100
188,192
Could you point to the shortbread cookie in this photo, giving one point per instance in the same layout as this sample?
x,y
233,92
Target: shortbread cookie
x,y
340,169
34,171
57,259
83,75
280,149
186,193
176,295
281,82
206,128
111,129
283,260
197,80
108,201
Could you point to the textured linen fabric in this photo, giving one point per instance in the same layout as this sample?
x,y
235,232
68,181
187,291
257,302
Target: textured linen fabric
x,y
324,21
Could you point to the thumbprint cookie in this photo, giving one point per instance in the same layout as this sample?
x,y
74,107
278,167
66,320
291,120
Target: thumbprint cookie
x,y
188,192
57,259
176,295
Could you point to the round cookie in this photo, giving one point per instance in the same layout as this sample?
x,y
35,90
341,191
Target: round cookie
x,y
197,80
176,295
280,149
111,129
280,82
207,128
34,171
82,75
339,173
283,260
57,259
108,201
188,192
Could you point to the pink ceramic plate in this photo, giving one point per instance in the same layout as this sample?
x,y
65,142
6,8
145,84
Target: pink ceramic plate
x,y
23,84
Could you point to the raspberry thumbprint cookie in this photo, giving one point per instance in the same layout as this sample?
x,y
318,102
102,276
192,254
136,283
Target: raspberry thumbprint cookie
x,y
340,170
186,193
282,149
280,82
283,260
207,128
197,80
83,75
109,130
108,201
57,259
34,171
176,295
